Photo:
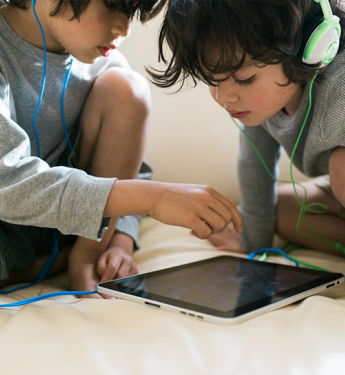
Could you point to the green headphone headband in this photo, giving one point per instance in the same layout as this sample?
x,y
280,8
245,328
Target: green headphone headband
x,y
326,8
323,43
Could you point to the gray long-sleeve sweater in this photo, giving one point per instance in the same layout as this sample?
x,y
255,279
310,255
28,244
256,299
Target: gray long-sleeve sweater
x,y
35,191
324,130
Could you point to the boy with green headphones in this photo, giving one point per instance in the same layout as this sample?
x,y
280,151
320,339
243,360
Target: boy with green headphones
x,y
277,66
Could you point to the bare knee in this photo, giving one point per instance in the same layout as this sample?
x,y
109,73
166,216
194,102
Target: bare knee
x,y
287,208
123,89
117,109
286,200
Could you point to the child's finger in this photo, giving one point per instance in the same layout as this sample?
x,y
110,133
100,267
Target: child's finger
x,y
134,270
236,219
217,222
228,213
111,269
201,230
230,206
101,266
124,270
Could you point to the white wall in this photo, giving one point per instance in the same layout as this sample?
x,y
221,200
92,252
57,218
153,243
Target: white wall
x,y
191,138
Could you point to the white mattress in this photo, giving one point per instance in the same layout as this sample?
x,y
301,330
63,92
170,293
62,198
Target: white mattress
x,y
66,335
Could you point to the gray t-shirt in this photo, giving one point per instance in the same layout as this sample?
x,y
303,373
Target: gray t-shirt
x,y
35,191
324,130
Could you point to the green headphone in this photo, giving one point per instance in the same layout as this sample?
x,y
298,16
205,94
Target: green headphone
x,y
323,38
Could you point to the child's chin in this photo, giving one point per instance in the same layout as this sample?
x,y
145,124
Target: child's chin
x,y
86,59
89,61
251,122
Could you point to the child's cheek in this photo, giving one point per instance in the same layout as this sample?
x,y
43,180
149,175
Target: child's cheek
x,y
258,101
263,98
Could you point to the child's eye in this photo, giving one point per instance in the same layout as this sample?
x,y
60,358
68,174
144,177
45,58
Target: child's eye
x,y
244,82
111,4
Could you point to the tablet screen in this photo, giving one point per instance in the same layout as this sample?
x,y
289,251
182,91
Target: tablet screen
x,y
224,286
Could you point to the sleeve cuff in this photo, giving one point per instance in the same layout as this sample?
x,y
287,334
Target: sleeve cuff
x,y
257,232
130,226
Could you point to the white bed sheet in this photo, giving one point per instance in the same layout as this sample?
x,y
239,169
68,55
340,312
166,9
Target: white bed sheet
x,y
66,335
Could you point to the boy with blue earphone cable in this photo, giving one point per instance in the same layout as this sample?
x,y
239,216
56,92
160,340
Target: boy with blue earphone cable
x,y
277,67
51,259
85,176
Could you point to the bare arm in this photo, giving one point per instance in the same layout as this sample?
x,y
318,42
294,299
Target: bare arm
x,y
197,207
337,173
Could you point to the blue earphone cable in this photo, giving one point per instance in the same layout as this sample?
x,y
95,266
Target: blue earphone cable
x,y
297,262
61,105
272,250
43,78
45,296
51,259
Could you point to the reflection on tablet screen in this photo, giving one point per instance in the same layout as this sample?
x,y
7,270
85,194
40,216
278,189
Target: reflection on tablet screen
x,y
222,283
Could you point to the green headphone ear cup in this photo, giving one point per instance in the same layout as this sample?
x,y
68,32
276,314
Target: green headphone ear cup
x,y
323,43
308,32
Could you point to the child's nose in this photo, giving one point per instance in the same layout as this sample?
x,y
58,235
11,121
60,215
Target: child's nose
x,y
225,93
122,26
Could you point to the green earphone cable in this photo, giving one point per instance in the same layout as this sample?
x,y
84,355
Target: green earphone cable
x,y
321,237
287,251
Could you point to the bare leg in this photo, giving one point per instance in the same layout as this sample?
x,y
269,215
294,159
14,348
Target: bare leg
x,y
328,224
114,122
31,273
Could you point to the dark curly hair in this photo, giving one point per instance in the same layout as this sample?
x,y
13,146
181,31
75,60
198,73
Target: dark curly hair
x,y
143,9
268,31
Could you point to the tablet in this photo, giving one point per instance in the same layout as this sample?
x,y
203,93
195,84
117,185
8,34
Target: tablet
x,y
222,289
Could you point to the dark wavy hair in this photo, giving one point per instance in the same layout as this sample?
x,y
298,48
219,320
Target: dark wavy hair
x,y
268,31
143,9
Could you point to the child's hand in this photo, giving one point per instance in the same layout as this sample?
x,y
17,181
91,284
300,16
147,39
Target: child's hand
x,y
115,263
198,207
87,267
228,240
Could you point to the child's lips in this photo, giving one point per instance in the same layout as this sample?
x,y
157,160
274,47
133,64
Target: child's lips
x,y
105,51
239,115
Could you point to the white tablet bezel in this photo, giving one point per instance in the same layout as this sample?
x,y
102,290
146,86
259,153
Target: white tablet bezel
x,y
202,316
